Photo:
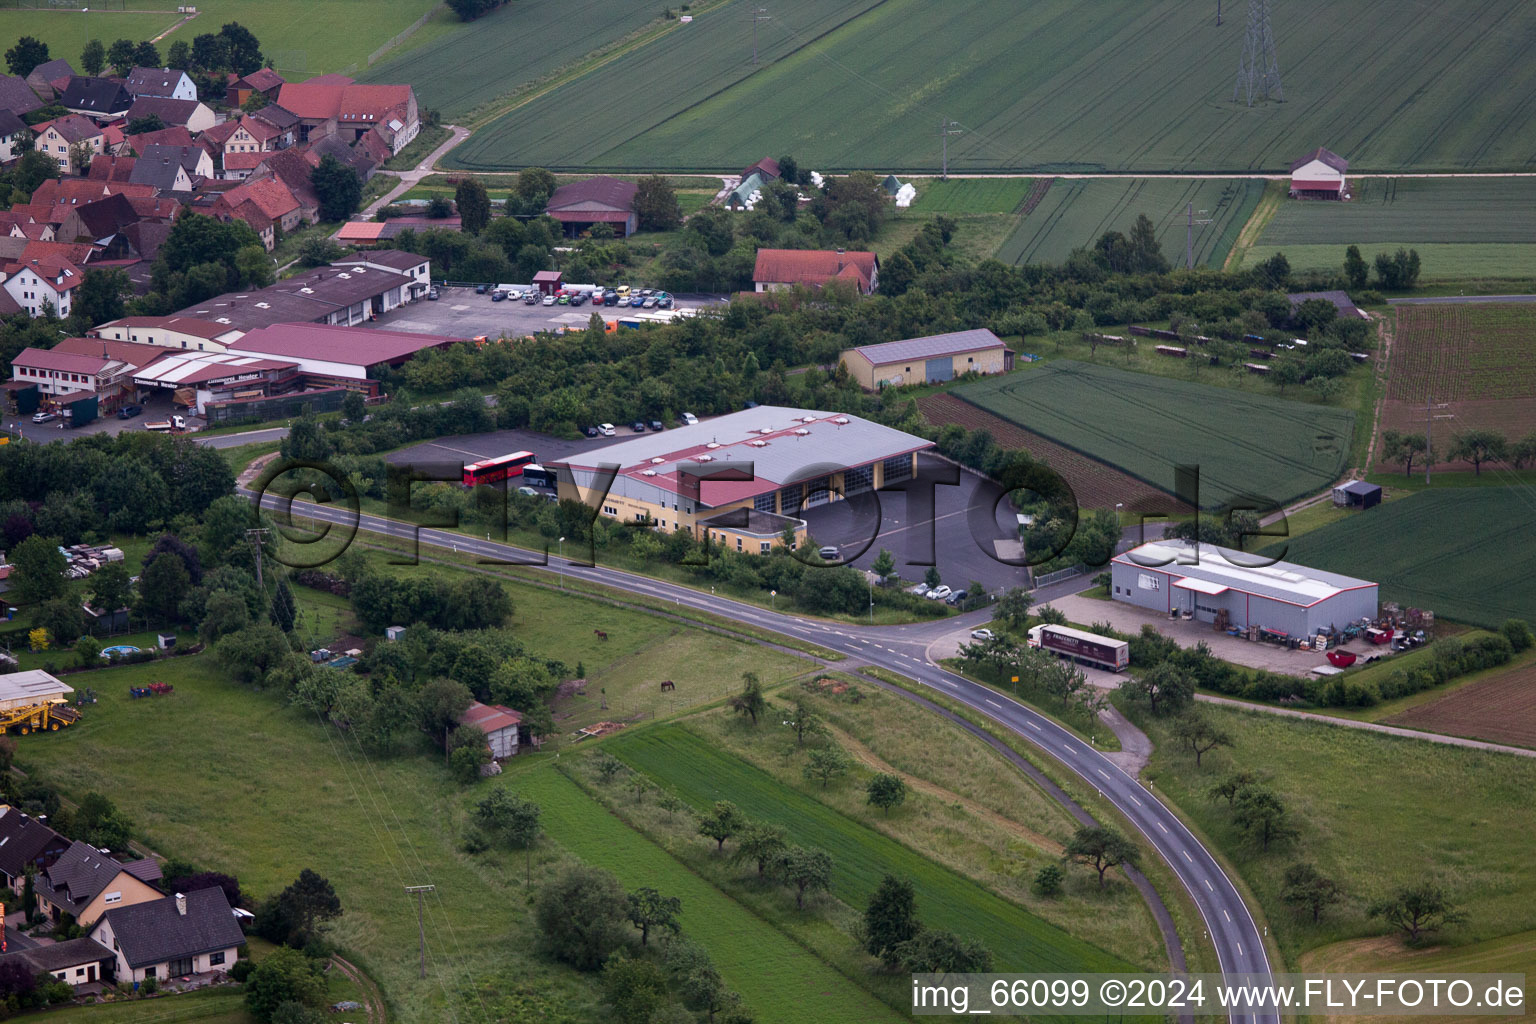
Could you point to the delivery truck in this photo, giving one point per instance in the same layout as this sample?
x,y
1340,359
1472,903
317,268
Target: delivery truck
x,y
1082,646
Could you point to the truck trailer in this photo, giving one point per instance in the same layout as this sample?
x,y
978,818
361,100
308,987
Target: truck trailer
x,y
1082,646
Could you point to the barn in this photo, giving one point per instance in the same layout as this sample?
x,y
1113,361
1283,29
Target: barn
x,y
501,726
1357,494
1172,578
1319,175
937,357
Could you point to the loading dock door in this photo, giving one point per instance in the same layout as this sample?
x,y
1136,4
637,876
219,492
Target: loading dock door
x,y
941,369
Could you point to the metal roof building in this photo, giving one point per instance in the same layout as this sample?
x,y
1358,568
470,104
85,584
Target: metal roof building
x,y
938,357
770,459
20,689
1172,577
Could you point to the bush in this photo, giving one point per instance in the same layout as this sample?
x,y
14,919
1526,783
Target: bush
x,y
1048,881
581,917
148,987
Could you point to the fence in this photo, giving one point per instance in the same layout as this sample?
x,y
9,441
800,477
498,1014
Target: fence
x,y
403,36
1046,579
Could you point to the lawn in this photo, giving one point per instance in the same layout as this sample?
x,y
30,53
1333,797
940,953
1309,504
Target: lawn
x,y
1465,553
66,31
776,976
1243,444
1053,86
207,1006
1076,211
303,37
1374,812
689,765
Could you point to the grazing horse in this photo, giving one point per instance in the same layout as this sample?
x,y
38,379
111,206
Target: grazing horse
x,y
600,634
667,684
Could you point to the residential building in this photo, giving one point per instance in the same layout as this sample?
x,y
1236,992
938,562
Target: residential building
x,y
32,283
284,122
328,107
1319,175
264,204
263,80
813,268
290,167
172,168
179,332
79,962
174,135
769,459
86,883
333,355
600,200
69,375
49,79
185,934
939,357
189,114
17,96
252,135
500,725
106,167
26,844
166,83
104,99
57,136
15,136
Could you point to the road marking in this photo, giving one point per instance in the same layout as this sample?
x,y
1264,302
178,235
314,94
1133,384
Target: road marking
x,y
949,684
1033,726
1187,856
1103,773
1211,887
1068,749
1239,949
1227,916
993,703
1162,826
1135,801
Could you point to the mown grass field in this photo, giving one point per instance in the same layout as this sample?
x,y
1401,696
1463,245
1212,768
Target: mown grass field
x,y
776,976
1049,86
66,31
1244,444
1076,211
1374,811
1465,553
970,195
690,766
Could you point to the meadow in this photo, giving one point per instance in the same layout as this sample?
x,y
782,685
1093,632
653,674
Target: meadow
x,y
1045,87
1076,211
1145,425
1466,553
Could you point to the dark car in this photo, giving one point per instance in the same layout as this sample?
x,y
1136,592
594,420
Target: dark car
x,y
432,293
656,425
637,301
663,301
610,297
749,405
128,412
589,431
498,295
480,289
531,299
578,298
638,426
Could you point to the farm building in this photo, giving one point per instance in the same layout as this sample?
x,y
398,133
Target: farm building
x,y
1357,494
812,268
582,205
923,360
330,355
499,724
22,689
1170,577
1319,175
1341,302
772,460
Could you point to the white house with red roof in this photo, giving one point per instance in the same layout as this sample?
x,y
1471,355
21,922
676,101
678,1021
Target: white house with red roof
x,y
500,725
813,268
1319,174
59,374
349,109
34,282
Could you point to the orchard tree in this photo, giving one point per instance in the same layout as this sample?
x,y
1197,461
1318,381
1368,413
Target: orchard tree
x,y
890,919
942,952
649,909
1403,449
722,823
760,843
1013,609
1418,910
1101,848
826,765
749,701
1165,688
806,870
885,791
1306,889
1259,812
1200,734
1478,447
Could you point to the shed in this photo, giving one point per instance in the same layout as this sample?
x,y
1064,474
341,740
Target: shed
x,y
938,357
1320,174
394,632
547,281
1357,494
23,689
500,725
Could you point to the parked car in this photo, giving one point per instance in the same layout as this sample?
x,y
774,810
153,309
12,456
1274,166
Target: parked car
x,y
636,301
528,492
480,289
579,298
939,593
749,405
432,293
610,297
656,426
649,303
647,291
663,301
983,634
921,590
589,431
531,299
689,418
638,426
128,412
498,295
622,291
549,300
606,429
828,552
44,417
955,598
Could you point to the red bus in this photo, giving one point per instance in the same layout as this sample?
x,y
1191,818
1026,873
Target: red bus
x,y
492,471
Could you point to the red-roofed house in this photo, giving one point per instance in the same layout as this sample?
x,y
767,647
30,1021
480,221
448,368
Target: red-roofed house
x,y
57,136
261,203
600,200
252,135
34,282
351,110
501,726
1319,175
61,373
105,167
79,191
262,80
784,268
175,135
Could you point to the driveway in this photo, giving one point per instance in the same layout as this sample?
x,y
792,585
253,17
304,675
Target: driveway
x,y
411,178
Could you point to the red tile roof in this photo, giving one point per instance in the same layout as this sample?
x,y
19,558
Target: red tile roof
x,y
490,717
75,191
813,267
133,353
262,80
258,129
175,135
349,103
110,168
50,270
269,195
219,133
57,359
242,161
360,346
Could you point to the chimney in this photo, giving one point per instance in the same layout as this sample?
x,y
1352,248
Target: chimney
x,y
181,905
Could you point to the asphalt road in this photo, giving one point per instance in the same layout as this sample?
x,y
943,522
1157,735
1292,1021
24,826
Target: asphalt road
x,y
1456,300
1238,943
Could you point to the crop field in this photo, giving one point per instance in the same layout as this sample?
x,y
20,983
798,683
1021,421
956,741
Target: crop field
x,y
463,66
775,975
1244,444
970,195
1473,358
1467,553
1095,484
1461,227
1076,211
1501,710
698,772
1052,86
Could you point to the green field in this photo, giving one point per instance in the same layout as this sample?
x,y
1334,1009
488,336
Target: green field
x,y
1244,444
698,772
1460,227
1466,553
462,66
1049,86
970,195
66,31
775,975
1076,211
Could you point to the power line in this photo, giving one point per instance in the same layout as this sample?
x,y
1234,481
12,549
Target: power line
x,y
946,129
420,892
1189,236
1258,70
758,14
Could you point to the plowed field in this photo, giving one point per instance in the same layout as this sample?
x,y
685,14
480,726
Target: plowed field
x,y
1500,710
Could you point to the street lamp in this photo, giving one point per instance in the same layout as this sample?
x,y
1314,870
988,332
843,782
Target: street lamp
x,y
561,560
871,602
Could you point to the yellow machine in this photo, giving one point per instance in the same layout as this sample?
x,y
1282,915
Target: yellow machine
x,y
50,716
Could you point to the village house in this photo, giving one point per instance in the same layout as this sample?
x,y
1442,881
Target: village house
x,y
26,844
813,268
86,883
38,282
185,934
189,114
166,83
15,136
56,137
105,99
241,87
348,109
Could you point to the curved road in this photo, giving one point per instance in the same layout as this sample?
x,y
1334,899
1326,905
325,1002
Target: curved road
x,y
1239,945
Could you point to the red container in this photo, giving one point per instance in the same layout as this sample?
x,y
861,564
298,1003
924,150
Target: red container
x,y
1341,659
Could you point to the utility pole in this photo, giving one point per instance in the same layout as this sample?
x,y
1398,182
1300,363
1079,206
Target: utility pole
x,y
256,537
1258,70
1218,13
1429,433
420,892
946,129
1189,236
758,14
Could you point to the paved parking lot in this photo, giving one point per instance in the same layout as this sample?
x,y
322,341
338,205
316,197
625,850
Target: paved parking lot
x,y
460,313
157,407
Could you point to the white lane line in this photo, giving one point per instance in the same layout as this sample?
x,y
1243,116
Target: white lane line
x,y
1209,886
1227,916
1135,801
1162,826
1103,773
1033,726
1187,856
1239,949
1068,749
993,703
949,684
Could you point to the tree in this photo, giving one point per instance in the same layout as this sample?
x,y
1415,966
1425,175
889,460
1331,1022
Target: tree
x,y
1146,253
942,952
1417,910
749,701
804,719
162,586
1356,272
534,187
826,765
468,753
339,191
581,917
439,706
317,251
1398,271
1101,848
1013,609
146,55
284,976
1165,688
100,823
656,204
760,843
650,909
1259,812
179,56
508,819
32,170
37,570
884,564
474,205
885,791
93,57
101,295
806,870
890,919
1518,633
224,612
1200,734
254,266
120,56
311,900
635,988
1048,881
1478,447
722,823
897,274
26,55
931,577
1403,449
1305,888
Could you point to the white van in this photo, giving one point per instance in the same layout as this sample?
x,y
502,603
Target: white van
x,y
606,429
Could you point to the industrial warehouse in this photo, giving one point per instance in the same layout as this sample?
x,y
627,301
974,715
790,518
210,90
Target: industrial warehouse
x,y
742,479
1224,587
938,357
